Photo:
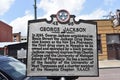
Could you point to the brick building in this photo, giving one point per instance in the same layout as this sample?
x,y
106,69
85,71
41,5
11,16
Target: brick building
x,y
109,37
16,37
5,35
108,40
5,32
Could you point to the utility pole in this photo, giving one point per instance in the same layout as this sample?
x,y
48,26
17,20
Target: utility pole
x,y
35,10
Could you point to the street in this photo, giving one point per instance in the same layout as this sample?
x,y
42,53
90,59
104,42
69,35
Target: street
x,y
105,74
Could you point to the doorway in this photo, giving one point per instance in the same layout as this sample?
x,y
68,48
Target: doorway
x,y
113,46
113,51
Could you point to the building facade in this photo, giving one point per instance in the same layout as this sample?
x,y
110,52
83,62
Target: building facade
x,y
16,37
5,35
23,38
5,32
14,49
108,40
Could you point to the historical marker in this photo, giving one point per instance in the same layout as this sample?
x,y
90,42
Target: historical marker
x,y
62,47
21,53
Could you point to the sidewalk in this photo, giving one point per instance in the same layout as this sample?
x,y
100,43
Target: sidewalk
x,y
109,63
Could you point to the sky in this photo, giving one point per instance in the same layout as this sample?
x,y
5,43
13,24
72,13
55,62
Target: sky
x,y
16,13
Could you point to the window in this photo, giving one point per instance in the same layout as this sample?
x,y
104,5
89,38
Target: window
x,y
15,38
1,52
113,39
99,46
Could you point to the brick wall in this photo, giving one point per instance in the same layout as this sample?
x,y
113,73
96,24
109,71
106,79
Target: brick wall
x,y
5,32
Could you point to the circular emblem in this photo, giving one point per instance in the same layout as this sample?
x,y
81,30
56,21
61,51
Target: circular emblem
x,y
63,16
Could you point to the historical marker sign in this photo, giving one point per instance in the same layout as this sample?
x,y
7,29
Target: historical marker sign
x,y
21,53
62,47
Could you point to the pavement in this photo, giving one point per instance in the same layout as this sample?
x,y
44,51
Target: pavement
x,y
109,63
108,70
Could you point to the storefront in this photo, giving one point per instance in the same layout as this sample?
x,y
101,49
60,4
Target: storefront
x,y
17,50
108,40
